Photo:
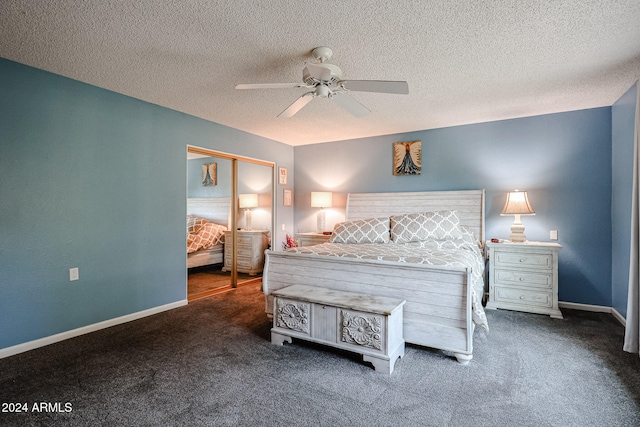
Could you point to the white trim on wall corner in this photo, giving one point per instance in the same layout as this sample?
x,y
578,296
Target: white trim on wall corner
x,y
619,317
584,307
596,308
31,345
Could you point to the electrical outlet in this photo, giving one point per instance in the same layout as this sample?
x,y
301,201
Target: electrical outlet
x,y
283,227
74,274
553,235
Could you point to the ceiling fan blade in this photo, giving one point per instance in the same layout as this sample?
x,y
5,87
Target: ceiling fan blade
x,y
297,105
269,85
381,86
318,72
349,103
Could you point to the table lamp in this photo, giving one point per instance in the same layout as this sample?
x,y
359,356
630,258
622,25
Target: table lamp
x,y
248,201
517,204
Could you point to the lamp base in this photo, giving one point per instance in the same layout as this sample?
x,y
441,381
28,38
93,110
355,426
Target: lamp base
x,y
517,231
247,220
320,221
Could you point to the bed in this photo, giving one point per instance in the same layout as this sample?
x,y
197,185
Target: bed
x,y
207,219
443,297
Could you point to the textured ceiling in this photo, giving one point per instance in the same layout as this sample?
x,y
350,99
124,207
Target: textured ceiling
x,y
465,61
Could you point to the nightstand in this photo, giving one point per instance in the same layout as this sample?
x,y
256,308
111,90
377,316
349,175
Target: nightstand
x,y
251,247
310,239
524,277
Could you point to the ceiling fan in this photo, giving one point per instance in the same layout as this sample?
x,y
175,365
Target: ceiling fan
x,y
325,80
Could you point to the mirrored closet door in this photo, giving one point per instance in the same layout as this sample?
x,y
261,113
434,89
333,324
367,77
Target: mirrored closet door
x,y
230,216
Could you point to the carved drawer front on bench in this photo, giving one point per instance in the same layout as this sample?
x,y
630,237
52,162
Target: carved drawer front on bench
x,y
369,325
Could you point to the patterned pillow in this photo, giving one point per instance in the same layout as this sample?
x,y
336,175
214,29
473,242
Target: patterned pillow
x,y
440,225
372,230
208,236
194,223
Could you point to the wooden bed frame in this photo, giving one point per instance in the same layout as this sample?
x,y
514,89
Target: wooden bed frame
x,y
215,209
438,310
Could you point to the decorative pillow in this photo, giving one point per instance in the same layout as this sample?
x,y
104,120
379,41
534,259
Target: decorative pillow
x,y
372,230
440,225
212,234
194,223
208,236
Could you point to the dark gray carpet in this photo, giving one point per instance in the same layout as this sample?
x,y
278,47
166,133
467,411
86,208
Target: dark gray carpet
x,y
211,363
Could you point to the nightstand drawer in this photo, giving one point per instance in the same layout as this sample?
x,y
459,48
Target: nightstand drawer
x,y
523,278
524,297
524,260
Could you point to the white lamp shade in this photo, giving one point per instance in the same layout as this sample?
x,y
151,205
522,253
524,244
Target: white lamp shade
x,y
321,199
248,201
517,204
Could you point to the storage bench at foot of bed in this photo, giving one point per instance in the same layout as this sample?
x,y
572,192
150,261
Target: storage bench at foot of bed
x,y
365,324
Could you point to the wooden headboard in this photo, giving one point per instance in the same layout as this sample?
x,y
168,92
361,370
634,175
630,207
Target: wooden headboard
x,y
215,209
468,203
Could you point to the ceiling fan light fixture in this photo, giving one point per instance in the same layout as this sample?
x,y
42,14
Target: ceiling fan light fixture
x,y
323,91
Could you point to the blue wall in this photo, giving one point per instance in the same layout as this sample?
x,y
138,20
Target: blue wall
x,y
563,160
96,180
623,118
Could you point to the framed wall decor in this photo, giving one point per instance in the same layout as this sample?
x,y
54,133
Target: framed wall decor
x,y
282,176
210,174
288,197
407,158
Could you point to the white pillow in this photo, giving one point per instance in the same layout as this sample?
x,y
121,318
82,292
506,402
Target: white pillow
x,y
439,225
371,230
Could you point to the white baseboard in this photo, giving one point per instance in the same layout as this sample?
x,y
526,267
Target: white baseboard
x,y
584,307
619,317
31,345
596,308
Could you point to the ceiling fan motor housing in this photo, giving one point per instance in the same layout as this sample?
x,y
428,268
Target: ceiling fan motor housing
x,y
336,75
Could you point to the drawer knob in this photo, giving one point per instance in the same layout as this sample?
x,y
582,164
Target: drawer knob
x,y
521,296
521,260
522,279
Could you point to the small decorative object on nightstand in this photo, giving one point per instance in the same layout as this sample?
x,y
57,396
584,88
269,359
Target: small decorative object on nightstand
x,y
523,276
251,247
310,239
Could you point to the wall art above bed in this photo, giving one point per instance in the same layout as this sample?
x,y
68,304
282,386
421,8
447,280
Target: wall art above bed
x,y
210,174
407,158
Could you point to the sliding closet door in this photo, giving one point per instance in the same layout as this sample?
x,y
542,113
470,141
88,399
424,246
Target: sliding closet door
x,y
249,184
209,196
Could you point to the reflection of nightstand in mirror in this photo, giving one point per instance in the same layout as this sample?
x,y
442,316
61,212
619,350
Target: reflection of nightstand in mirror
x,y
251,247
310,239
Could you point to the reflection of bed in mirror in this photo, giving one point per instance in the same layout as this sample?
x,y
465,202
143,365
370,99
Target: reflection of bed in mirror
x,y
207,219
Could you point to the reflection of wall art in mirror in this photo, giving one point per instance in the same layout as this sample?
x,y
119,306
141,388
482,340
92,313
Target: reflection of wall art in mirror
x,y
210,174
288,197
282,176
407,158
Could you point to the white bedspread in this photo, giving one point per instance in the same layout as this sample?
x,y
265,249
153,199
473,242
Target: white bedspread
x,y
456,253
